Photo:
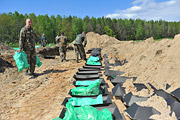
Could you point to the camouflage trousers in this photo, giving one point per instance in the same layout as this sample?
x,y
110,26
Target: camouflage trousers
x,y
62,52
79,50
31,56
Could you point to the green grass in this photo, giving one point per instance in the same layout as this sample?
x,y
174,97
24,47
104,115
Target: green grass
x,y
16,45
162,38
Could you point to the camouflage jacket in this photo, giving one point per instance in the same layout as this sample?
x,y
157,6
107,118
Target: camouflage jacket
x,y
62,40
80,39
27,39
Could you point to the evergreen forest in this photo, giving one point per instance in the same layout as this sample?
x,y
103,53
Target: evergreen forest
x,y
122,29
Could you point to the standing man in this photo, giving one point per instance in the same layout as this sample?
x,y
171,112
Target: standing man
x,y
43,40
79,47
27,44
62,40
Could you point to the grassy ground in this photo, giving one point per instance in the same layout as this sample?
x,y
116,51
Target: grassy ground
x,y
16,45
162,38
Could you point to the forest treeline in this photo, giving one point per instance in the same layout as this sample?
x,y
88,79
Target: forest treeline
x,y
122,29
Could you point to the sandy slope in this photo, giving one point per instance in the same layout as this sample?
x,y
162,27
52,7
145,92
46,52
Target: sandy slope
x,y
155,62
151,61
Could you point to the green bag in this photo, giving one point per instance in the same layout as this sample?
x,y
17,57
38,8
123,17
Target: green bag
x,y
21,60
85,101
93,61
92,89
86,113
86,83
113,76
38,62
16,48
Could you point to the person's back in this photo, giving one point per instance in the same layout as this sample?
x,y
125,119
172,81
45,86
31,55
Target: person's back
x,y
79,47
80,39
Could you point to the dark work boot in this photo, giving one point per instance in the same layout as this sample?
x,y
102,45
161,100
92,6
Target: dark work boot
x,y
33,75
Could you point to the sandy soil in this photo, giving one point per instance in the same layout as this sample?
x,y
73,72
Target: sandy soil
x,y
155,62
23,98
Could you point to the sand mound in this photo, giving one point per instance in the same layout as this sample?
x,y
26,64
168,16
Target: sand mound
x,y
4,64
155,62
177,36
6,57
151,61
99,41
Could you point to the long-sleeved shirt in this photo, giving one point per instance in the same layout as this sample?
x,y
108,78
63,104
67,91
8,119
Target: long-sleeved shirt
x,y
80,39
27,39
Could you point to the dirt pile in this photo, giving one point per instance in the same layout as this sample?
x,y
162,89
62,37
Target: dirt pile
x,y
43,51
151,61
99,41
4,49
108,44
155,62
51,51
6,57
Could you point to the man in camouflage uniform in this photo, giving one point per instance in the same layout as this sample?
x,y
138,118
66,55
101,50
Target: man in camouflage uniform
x,y
27,44
79,47
62,40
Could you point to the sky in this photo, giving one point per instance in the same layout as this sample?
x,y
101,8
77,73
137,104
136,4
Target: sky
x,y
168,10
